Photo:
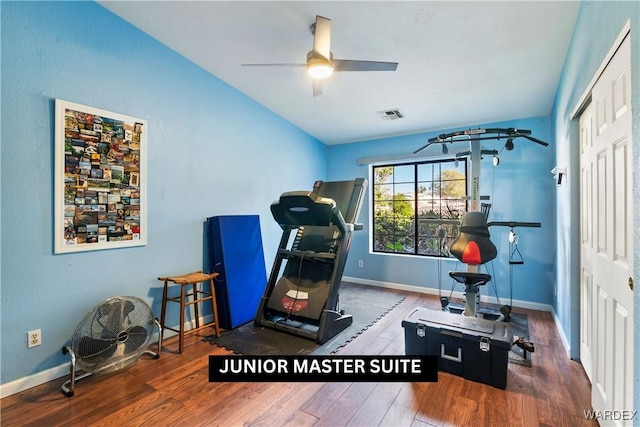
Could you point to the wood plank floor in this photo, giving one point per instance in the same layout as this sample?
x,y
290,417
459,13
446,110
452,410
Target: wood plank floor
x,y
174,390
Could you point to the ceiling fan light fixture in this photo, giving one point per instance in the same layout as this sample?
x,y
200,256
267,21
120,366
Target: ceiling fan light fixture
x,y
319,67
319,71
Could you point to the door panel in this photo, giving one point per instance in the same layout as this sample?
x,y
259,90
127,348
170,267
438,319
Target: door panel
x,y
606,342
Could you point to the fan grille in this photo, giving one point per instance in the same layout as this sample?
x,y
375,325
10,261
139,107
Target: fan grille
x,y
113,334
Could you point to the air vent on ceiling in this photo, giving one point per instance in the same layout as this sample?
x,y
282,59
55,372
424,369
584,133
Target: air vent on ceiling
x,y
394,114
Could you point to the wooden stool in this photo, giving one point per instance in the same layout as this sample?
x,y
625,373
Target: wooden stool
x,y
197,296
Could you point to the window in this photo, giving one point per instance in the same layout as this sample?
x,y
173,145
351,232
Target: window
x,y
417,207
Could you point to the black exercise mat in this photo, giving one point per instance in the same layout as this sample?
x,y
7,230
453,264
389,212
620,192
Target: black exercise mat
x,y
367,304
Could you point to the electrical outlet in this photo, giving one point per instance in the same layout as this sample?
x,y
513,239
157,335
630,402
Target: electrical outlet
x,y
34,338
360,263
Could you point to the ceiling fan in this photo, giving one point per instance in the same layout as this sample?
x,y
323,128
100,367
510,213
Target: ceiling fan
x,y
320,63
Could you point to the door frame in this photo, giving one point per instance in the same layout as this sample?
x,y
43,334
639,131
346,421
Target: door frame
x,y
580,106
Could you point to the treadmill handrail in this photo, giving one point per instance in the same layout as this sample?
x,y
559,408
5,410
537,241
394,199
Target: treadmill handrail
x,y
307,254
300,208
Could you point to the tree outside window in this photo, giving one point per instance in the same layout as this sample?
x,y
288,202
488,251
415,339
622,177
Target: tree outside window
x,y
417,207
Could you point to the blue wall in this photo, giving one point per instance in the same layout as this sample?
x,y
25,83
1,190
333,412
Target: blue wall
x,y
523,190
597,27
212,151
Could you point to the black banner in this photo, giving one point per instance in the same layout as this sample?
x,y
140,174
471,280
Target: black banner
x,y
236,368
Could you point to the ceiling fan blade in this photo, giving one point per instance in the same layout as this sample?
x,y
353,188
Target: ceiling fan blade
x,y
322,36
274,65
353,65
317,87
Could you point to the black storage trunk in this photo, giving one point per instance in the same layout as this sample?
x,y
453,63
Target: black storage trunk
x,y
474,348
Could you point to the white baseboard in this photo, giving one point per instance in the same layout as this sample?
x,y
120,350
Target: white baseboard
x,y
563,336
25,383
431,291
39,378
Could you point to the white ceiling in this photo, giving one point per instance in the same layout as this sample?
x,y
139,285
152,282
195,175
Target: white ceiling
x,y
460,63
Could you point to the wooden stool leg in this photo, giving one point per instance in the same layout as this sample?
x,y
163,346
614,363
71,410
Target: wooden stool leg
x,y
195,306
163,311
182,309
214,307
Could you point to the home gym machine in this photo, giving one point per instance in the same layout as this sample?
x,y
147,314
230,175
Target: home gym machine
x,y
302,293
469,345
473,245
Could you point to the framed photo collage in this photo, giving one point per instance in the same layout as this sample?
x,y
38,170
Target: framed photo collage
x,y
100,179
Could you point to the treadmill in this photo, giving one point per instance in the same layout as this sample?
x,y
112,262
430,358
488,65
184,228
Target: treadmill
x,y
302,294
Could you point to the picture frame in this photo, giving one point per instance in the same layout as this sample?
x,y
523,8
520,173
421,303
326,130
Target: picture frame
x,y
99,179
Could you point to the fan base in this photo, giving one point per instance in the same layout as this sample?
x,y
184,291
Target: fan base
x,y
68,387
